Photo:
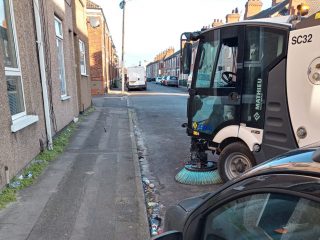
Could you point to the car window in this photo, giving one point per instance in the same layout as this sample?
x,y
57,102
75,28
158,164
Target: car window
x,y
265,216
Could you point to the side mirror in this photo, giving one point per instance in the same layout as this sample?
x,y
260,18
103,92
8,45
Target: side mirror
x,y
170,235
186,58
186,53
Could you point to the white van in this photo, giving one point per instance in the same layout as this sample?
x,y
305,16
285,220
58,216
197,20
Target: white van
x,y
136,78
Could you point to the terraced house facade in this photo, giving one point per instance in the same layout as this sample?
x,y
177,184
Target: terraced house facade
x,y
103,57
45,76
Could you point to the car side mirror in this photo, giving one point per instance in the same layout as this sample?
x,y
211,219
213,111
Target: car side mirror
x,y
170,235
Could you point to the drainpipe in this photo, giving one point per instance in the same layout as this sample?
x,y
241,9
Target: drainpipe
x,y
43,73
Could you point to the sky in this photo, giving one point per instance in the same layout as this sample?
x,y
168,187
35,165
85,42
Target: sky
x,y
151,26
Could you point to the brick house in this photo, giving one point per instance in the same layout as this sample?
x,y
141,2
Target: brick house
x,y
59,42
152,70
22,116
103,57
172,64
39,40
81,53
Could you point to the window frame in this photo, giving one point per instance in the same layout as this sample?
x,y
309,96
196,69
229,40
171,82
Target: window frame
x,y
59,37
16,72
83,51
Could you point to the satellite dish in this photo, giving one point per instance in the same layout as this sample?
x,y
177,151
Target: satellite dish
x,y
94,22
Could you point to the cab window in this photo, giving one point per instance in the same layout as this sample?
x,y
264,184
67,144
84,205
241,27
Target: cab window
x,y
264,216
226,71
207,51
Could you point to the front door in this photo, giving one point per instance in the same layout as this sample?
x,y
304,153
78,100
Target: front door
x,y
215,97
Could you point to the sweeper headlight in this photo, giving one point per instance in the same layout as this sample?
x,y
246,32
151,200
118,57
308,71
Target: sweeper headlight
x,y
314,72
316,77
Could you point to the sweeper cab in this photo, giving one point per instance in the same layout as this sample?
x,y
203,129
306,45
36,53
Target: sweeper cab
x,y
255,91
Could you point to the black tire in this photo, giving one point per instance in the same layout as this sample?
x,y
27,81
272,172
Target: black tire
x,y
228,167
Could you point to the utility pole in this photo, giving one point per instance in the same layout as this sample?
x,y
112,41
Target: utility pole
x,y
123,7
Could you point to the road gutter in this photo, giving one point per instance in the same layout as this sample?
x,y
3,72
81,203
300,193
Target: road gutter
x,y
143,232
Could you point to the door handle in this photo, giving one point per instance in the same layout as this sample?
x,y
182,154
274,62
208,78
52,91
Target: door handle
x,y
234,96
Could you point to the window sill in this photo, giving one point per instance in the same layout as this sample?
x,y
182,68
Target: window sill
x,y
23,122
84,75
64,98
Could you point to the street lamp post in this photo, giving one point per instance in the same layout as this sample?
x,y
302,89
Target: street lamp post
x,y
123,7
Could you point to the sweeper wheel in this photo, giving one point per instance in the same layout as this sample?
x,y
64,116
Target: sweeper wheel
x,y
234,160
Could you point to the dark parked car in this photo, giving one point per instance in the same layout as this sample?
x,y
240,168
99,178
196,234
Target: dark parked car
x,y
172,81
279,199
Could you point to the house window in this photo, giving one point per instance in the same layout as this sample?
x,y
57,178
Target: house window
x,y
82,49
11,60
60,54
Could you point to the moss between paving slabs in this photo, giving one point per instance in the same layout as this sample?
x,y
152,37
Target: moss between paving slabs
x,y
36,167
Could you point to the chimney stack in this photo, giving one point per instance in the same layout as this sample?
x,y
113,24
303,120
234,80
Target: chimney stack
x,y
233,17
216,23
253,7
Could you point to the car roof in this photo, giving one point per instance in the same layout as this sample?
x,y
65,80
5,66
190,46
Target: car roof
x,y
298,161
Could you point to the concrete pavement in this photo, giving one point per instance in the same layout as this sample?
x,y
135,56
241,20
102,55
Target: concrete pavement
x,y
92,191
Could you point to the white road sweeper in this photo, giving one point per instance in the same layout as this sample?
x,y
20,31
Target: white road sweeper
x,y
255,92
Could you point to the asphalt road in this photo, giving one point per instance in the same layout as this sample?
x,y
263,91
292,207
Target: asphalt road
x,y
160,111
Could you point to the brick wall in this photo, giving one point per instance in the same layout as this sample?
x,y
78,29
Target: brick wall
x,y
81,33
95,53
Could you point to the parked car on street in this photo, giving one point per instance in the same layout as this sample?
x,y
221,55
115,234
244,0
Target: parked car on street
x,y
158,80
164,80
279,199
172,81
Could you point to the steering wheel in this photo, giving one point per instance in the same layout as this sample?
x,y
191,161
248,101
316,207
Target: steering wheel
x,y
227,77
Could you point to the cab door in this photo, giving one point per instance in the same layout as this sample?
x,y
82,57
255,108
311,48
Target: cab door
x,y
215,96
